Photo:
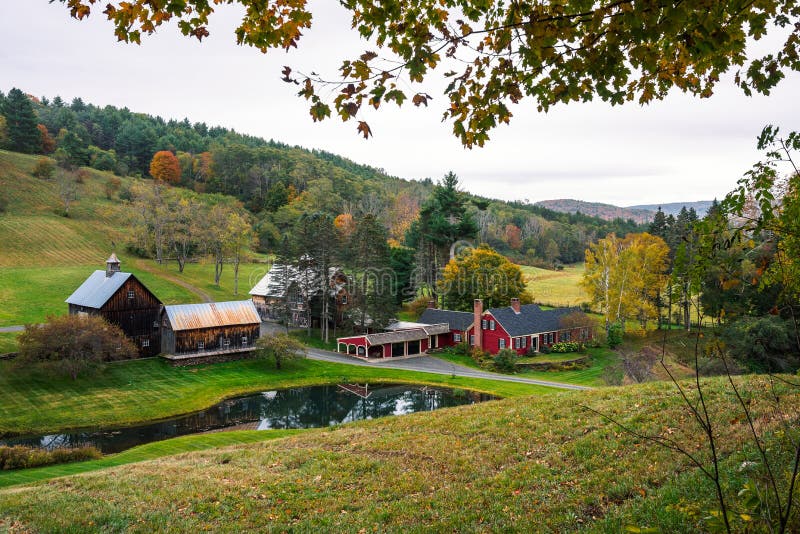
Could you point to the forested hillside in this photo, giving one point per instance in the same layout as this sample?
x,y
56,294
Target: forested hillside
x,y
275,182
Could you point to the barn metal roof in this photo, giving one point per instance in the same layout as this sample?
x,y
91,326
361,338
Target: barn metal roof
x,y
97,289
212,314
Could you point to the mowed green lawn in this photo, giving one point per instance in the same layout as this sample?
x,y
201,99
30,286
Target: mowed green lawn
x,y
556,288
144,390
30,294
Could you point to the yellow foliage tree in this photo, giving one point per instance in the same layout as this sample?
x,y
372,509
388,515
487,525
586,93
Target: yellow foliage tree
x,y
482,273
624,276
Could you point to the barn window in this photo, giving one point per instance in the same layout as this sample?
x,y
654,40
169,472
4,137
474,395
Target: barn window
x,y
244,341
155,324
226,342
200,345
145,343
344,299
130,295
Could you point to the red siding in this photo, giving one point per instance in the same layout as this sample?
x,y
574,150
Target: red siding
x,y
491,338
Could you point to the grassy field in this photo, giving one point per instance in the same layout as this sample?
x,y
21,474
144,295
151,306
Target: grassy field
x,y
511,465
146,390
556,288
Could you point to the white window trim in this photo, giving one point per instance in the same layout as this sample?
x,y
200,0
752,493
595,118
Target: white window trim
x,y
457,338
201,345
131,294
145,343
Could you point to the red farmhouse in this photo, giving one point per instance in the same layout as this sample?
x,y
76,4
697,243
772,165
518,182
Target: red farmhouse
x,y
524,328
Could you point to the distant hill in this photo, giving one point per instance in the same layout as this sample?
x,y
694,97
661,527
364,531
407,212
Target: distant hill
x,y
642,213
596,209
701,207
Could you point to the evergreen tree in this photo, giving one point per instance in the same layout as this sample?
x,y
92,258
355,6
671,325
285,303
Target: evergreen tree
x,y
443,221
23,134
371,287
658,227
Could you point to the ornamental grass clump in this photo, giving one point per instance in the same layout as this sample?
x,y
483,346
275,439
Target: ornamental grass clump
x,y
20,457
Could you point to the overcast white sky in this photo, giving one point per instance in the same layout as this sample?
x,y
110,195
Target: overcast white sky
x,y
680,149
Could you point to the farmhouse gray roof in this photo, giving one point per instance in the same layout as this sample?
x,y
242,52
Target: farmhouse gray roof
x,y
457,320
212,314
97,289
531,319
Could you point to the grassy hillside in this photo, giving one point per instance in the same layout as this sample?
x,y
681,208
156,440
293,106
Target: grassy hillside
x,y
44,257
556,288
522,464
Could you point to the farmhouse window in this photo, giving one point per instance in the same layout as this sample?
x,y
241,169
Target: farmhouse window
x,y
501,343
457,338
523,342
130,295
472,340
491,325
145,343
516,342
484,324
201,345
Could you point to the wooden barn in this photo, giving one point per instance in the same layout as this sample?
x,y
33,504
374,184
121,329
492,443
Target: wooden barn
x,y
209,331
121,299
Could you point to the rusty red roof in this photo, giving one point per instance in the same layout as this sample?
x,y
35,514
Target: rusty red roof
x,y
212,314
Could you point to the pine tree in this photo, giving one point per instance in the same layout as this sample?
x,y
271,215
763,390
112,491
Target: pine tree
x,y
21,123
368,258
658,226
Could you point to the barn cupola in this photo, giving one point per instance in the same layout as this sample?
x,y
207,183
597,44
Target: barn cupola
x,y
112,265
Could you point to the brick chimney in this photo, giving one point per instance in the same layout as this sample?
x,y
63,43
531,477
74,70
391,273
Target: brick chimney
x,y
477,313
432,304
515,305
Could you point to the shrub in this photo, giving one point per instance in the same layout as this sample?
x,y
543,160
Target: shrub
x,y
562,347
544,349
505,361
462,349
483,359
19,457
73,344
44,168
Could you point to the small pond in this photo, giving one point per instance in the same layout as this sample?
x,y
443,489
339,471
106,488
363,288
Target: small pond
x,y
307,407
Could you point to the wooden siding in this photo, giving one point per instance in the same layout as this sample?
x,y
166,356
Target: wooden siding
x,y
188,341
138,317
